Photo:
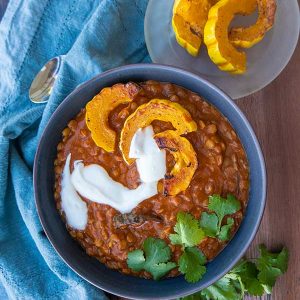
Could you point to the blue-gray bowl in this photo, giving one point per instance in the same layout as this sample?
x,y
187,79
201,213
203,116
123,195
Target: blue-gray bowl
x,y
91,269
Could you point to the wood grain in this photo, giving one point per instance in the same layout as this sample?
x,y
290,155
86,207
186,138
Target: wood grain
x,y
274,114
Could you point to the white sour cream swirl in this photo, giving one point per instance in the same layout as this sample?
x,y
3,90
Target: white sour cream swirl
x,y
74,207
94,183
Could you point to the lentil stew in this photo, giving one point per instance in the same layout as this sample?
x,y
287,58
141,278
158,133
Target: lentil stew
x,y
222,169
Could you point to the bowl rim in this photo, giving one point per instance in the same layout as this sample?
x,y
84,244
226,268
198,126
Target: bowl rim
x,y
155,67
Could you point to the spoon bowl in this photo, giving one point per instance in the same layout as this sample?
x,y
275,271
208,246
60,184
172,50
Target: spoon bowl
x,y
43,82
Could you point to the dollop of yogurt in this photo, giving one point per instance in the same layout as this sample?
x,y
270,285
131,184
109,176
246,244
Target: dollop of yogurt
x,y
150,160
94,183
74,207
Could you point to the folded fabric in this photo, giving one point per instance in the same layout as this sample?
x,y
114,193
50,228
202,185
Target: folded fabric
x,y
93,36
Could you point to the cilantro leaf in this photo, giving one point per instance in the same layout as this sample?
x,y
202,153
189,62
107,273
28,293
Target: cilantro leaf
x,y
156,250
225,230
154,259
209,224
221,290
191,264
160,270
223,207
271,265
247,271
188,233
136,260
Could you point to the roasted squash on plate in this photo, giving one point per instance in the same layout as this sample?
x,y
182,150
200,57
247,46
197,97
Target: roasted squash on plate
x,y
189,18
250,36
220,49
209,20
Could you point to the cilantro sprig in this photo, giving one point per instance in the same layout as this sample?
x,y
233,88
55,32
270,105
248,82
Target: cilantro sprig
x,y
156,254
191,264
254,278
247,277
154,259
188,233
221,290
270,266
211,223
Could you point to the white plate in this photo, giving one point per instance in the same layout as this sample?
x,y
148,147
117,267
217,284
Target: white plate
x,y
266,60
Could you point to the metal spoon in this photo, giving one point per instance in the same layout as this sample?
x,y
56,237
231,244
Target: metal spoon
x,y
41,86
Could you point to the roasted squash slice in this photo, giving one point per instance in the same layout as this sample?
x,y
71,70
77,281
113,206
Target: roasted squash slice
x,y
220,49
185,161
98,109
213,2
156,109
249,36
189,18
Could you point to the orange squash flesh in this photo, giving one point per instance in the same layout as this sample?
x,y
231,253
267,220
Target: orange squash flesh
x,y
98,109
213,2
250,36
188,21
156,109
185,161
220,49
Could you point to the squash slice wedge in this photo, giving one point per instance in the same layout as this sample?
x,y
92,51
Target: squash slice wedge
x,y
185,161
98,109
188,21
220,49
156,109
250,36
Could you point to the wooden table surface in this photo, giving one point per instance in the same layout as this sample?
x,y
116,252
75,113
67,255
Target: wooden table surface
x,y
274,114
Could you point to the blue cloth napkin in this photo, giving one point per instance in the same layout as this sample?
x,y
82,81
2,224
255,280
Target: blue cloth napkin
x,y
94,36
